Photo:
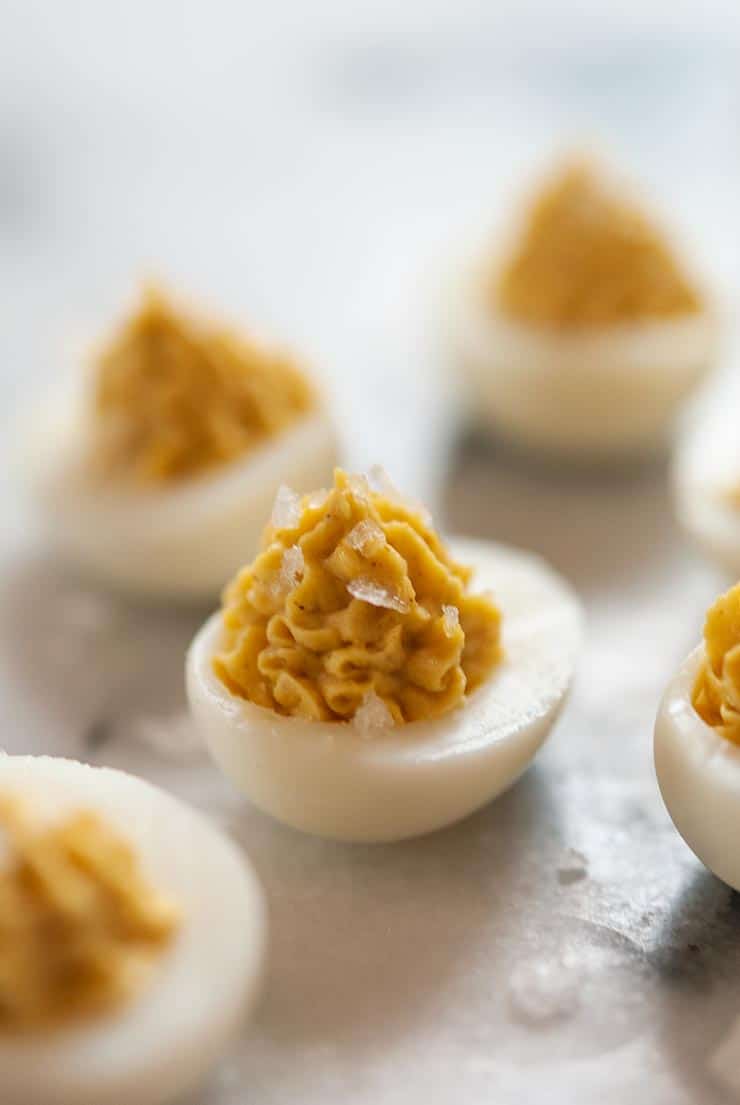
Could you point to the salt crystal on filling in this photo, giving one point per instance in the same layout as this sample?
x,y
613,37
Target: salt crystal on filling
x,y
359,486
450,620
286,510
317,498
382,484
373,716
292,566
367,590
364,535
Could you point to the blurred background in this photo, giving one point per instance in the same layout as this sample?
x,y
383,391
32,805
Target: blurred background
x,y
317,171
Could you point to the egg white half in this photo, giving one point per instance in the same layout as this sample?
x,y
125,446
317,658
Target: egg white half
x,y
328,779
178,542
164,1040
698,774
597,395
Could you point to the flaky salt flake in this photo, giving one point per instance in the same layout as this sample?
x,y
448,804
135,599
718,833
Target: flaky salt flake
x,y
367,590
292,566
450,620
317,498
373,716
380,482
364,535
286,510
359,487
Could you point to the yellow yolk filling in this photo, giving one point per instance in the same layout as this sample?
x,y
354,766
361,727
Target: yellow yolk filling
x,y
590,258
354,604
175,396
716,695
80,928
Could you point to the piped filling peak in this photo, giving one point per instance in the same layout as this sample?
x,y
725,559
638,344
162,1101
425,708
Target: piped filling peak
x,y
589,257
176,395
355,609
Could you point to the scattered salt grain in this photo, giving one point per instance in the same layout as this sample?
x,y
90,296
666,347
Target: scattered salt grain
x,y
450,620
544,990
364,535
373,716
572,867
286,511
367,590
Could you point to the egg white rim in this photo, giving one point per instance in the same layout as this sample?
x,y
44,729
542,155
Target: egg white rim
x,y
173,505
503,709
626,347
398,743
687,748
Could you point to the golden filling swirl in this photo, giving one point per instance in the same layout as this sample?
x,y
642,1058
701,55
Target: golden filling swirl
x,y
588,257
716,695
175,396
355,608
80,928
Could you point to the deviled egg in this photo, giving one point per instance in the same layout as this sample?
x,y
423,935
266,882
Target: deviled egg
x,y
584,334
156,471
706,487
132,937
697,743
356,686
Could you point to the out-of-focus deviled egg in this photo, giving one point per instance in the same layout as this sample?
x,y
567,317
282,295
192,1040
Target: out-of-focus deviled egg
x,y
132,937
584,333
156,472
356,686
706,486
697,743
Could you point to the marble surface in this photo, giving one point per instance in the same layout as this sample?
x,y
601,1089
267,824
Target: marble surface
x,y
562,945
